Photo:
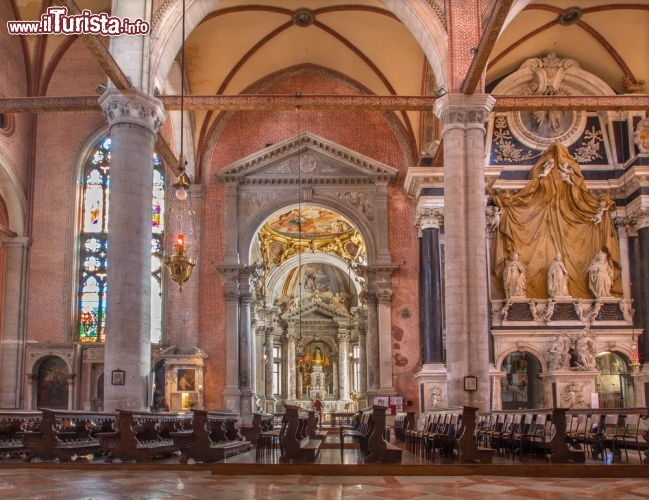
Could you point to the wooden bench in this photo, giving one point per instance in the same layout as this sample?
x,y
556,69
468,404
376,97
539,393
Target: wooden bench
x,y
143,436
63,434
377,449
296,444
213,436
12,426
356,430
400,426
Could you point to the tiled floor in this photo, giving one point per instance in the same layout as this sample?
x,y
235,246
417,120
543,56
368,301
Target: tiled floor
x,y
52,484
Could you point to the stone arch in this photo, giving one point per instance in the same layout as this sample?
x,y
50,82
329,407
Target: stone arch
x,y
249,232
526,349
52,389
418,18
13,194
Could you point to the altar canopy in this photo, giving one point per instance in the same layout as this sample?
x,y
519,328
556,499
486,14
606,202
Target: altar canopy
x,y
554,213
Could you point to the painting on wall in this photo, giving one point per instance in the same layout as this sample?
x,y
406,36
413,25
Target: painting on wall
x,y
310,222
186,379
53,388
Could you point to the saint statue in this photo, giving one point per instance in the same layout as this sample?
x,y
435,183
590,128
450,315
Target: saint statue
x,y
600,276
558,278
514,277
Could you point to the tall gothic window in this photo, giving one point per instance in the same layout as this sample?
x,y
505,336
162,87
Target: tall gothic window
x,y
93,287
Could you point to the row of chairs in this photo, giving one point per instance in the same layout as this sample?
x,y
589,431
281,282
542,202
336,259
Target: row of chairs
x,y
514,433
438,436
616,432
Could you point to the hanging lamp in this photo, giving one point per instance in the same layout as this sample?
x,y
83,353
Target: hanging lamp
x,y
180,264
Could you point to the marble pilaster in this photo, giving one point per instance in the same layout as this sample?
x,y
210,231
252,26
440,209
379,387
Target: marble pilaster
x,y
246,358
12,320
134,119
640,220
231,392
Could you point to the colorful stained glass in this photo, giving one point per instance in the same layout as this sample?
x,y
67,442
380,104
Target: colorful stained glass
x,y
94,242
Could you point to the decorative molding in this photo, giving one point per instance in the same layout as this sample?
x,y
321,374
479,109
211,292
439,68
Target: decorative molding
x,y
134,107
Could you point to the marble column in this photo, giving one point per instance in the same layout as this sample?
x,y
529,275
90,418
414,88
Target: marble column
x,y
640,221
362,363
231,392
372,343
430,286
246,360
268,369
291,364
466,291
13,322
343,363
134,119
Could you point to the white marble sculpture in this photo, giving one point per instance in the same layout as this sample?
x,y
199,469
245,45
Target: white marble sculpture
x,y
600,276
514,279
558,278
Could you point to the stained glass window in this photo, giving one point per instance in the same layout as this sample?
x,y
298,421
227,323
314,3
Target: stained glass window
x,y
93,243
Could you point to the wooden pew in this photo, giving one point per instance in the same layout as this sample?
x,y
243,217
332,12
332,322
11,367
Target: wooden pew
x,y
261,422
213,436
378,450
143,436
13,423
297,446
63,434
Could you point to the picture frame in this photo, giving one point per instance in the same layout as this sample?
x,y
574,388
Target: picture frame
x,y
470,383
117,377
186,380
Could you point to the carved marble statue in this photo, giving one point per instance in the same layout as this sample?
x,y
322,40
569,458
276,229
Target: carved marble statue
x,y
558,354
558,278
546,168
600,276
604,204
585,351
514,277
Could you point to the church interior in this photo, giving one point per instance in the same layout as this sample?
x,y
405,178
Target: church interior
x,y
254,206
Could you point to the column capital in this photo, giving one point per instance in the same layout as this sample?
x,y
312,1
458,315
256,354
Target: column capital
x,y
639,219
429,218
16,241
343,337
464,110
134,107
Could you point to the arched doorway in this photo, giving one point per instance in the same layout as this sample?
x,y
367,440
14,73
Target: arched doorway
x,y
614,384
521,387
52,388
307,286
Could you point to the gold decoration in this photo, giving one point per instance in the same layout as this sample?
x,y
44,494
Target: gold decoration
x,y
555,213
180,264
277,247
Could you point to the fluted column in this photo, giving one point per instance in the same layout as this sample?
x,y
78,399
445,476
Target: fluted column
x,y
343,363
362,363
13,322
430,285
466,291
134,119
